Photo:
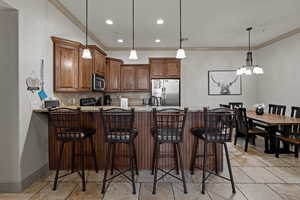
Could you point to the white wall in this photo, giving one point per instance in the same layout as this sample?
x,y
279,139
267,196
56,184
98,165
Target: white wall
x,y
38,20
280,83
9,111
194,84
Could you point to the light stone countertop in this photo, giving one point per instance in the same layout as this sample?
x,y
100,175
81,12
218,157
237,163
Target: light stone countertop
x,y
137,108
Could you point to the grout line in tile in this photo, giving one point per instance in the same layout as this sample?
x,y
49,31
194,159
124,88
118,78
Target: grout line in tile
x,y
275,175
77,185
275,191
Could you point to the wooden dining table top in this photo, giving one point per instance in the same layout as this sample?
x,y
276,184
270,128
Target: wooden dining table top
x,y
272,119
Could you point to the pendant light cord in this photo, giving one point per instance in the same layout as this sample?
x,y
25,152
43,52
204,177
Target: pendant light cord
x,y
86,23
180,31
249,36
133,24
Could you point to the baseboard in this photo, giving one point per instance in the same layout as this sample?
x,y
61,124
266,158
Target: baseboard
x,y
26,182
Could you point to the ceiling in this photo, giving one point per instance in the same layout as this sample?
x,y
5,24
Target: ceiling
x,y
206,23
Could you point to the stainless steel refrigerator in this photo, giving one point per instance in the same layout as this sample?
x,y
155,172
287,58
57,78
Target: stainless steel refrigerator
x,y
167,91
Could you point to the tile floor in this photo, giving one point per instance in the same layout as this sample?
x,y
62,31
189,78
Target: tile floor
x,y
258,176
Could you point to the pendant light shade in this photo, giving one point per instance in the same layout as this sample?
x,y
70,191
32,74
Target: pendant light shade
x,y
249,68
133,53
86,54
180,52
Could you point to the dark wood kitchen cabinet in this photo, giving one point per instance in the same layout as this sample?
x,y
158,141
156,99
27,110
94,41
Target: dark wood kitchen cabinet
x,y
165,67
85,71
72,73
113,75
99,60
65,65
135,78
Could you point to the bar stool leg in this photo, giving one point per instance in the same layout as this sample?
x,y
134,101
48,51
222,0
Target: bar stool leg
x,y
277,147
181,167
156,158
216,158
153,158
82,164
113,159
106,167
73,157
131,158
135,160
194,155
176,158
229,168
94,154
204,167
61,150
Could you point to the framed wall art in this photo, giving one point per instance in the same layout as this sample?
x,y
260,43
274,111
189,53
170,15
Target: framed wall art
x,y
224,82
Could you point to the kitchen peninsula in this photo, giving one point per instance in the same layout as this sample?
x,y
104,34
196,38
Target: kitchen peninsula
x,y
144,141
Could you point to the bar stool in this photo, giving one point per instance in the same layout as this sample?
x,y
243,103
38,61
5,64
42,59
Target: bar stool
x,y
118,129
168,128
66,123
218,126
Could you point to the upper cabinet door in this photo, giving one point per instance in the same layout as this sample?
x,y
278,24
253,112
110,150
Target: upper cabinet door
x,y
85,73
99,67
112,76
157,68
127,78
66,67
173,68
142,78
165,68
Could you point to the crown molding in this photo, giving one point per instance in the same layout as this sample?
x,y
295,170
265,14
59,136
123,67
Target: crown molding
x,y
175,49
67,13
279,38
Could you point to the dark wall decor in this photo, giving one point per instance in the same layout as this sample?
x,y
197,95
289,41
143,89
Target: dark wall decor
x,y
224,82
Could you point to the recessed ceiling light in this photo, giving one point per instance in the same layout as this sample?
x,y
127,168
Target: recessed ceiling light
x,y
157,40
120,40
160,21
109,22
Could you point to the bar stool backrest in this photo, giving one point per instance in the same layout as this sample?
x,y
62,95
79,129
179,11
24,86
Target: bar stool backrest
x,y
118,124
277,109
218,124
296,114
65,120
169,124
241,121
235,105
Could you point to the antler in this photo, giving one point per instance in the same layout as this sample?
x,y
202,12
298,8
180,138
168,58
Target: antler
x,y
232,82
212,78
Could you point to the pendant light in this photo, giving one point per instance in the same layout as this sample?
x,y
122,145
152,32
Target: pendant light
x,y
180,52
249,68
133,54
86,54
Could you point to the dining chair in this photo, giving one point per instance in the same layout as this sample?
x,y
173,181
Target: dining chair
x,y
118,126
243,129
168,128
68,129
235,105
224,106
291,135
217,130
277,109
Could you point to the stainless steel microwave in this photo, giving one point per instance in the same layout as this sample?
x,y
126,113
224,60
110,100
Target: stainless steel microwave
x,y
98,83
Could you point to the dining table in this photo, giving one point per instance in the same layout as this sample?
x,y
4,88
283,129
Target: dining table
x,y
272,123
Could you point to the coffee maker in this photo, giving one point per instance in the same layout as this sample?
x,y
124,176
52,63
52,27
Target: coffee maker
x,y
107,100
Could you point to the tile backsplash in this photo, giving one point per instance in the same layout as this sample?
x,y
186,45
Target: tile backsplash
x,y
73,99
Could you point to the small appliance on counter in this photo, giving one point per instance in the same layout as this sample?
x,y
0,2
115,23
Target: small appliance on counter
x,y
124,103
99,102
51,104
88,101
98,83
152,101
107,100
